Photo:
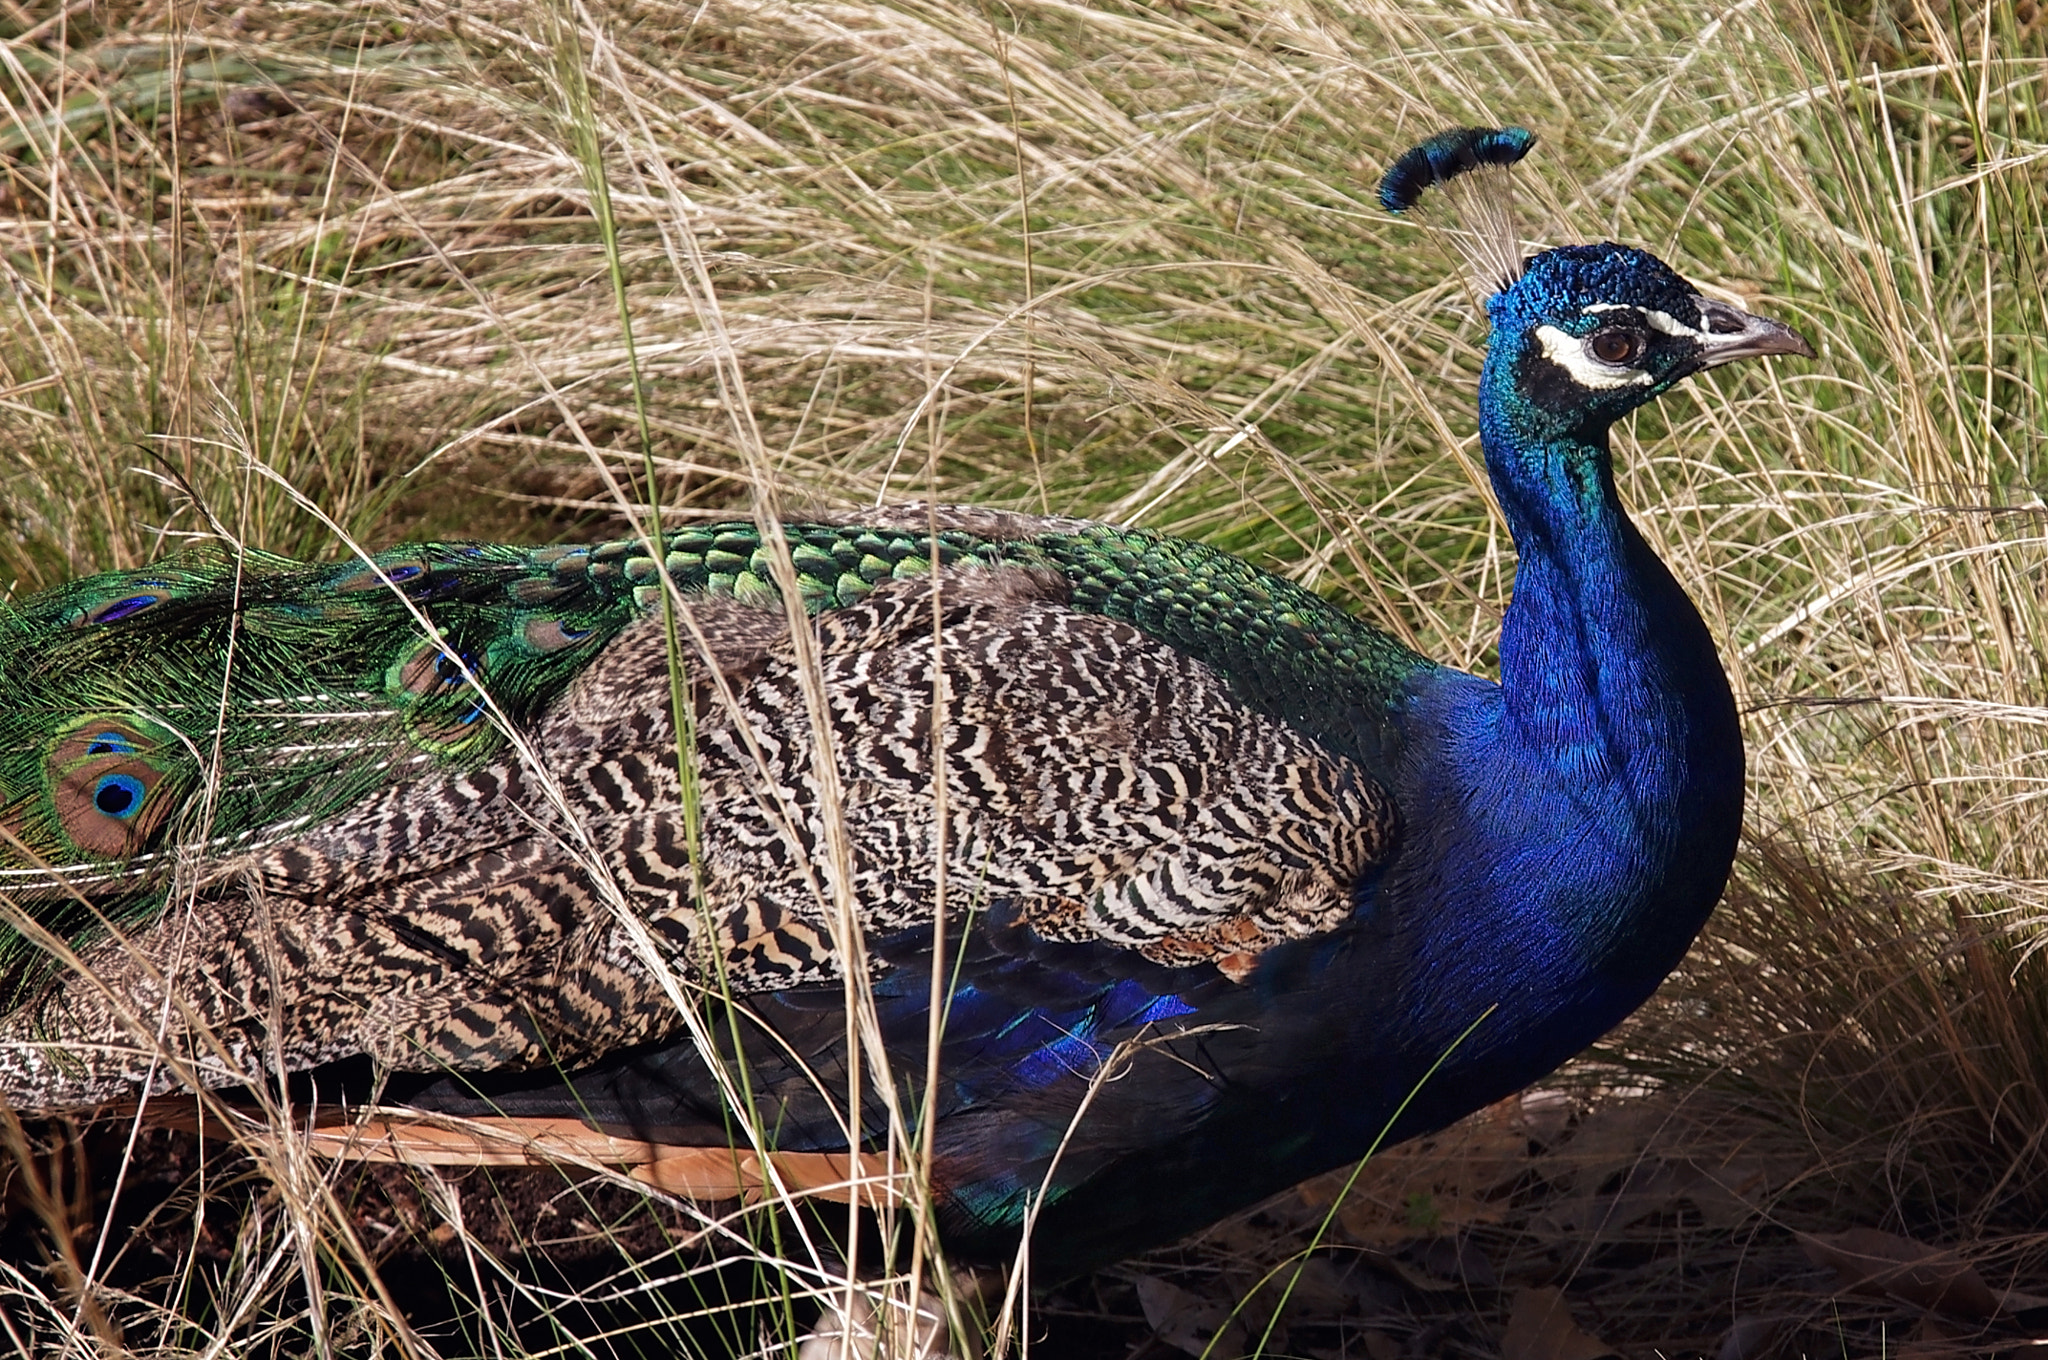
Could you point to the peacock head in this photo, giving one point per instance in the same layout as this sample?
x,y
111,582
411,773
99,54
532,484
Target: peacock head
x,y
1582,335
1588,333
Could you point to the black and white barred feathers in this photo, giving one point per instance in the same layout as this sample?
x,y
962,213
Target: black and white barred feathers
x,y
1100,784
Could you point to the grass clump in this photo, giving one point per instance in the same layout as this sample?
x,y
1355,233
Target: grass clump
x,y
1121,261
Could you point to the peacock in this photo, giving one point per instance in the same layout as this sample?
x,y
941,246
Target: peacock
x,y
1220,886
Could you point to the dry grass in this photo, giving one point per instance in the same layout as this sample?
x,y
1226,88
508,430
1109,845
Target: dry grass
x,y
1118,261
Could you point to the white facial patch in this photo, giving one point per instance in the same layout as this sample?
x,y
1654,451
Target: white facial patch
x,y
1659,321
1570,353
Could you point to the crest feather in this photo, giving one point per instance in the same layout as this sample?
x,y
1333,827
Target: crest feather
x,y
1471,165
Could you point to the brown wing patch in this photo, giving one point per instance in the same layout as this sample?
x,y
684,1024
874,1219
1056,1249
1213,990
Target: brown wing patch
x,y
1103,784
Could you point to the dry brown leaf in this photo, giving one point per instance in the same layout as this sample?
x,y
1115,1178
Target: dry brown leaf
x,y
1380,1346
1414,1276
1438,1184
1185,1321
1376,1222
1458,1259
1866,1261
1540,1327
1612,1137
1650,1188
1323,1288
1727,1195
1751,1335
1545,1115
1933,1341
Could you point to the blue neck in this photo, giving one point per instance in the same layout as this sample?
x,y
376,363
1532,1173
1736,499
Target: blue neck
x,y
1569,829
1601,653
1616,728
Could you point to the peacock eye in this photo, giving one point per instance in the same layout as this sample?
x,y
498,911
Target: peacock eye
x,y
1617,346
119,795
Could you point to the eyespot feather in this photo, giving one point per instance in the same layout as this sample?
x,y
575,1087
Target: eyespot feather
x,y
126,607
107,787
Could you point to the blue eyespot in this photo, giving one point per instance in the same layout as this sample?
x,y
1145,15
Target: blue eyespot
x,y
110,744
403,573
119,795
121,609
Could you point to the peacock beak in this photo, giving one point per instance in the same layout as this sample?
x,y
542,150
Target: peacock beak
x,y
1729,333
